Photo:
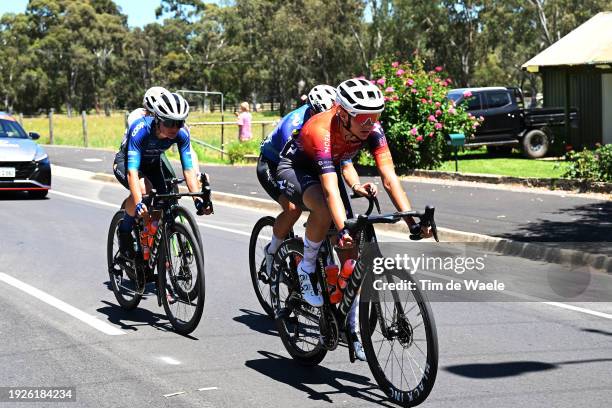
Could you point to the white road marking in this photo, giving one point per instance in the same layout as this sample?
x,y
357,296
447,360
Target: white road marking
x,y
174,394
92,160
579,309
208,388
169,360
234,231
88,200
92,321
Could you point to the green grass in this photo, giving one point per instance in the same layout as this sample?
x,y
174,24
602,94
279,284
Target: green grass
x,y
478,161
107,132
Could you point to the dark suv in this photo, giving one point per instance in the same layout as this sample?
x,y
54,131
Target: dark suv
x,y
507,123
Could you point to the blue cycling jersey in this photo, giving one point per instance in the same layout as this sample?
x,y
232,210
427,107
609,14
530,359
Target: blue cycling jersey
x,y
143,146
289,126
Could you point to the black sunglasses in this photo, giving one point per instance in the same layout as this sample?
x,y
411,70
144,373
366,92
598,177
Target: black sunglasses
x,y
171,123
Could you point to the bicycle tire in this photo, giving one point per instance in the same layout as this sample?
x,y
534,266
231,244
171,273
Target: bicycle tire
x,y
181,326
261,288
182,212
412,396
125,303
287,276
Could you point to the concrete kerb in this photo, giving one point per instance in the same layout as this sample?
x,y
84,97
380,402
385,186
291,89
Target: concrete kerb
x,y
549,183
528,250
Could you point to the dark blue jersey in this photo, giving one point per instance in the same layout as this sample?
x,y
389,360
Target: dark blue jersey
x,y
289,126
144,147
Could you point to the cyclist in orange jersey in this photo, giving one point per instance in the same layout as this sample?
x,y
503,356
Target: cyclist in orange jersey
x,y
306,174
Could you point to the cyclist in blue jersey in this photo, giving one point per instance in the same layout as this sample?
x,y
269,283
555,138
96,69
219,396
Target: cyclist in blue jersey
x,y
138,164
320,99
150,96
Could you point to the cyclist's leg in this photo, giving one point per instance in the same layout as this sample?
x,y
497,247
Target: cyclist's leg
x,y
353,319
126,243
304,189
266,174
287,218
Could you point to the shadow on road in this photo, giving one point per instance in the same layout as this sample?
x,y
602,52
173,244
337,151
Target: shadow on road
x,y
511,369
131,320
287,371
257,321
499,370
597,331
584,223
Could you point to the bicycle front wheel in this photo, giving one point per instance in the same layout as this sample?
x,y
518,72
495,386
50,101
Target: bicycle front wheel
x,y
401,344
185,217
181,278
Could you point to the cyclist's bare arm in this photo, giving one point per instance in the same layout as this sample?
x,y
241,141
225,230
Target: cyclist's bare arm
x,y
191,180
329,184
352,179
394,188
135,188
396,192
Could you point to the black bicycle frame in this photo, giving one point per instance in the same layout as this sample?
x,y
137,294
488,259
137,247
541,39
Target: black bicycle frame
x,y
366,235
359,272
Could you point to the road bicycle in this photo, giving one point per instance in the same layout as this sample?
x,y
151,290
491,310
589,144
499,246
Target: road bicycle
x,y
174,264
397,330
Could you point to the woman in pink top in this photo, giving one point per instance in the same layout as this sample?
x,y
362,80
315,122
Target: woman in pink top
x,y
244,122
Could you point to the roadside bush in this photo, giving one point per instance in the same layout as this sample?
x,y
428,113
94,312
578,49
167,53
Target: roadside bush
x,y
594,165
418,117
237,150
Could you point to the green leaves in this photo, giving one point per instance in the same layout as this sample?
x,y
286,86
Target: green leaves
x,y
418,117
593,165
86,56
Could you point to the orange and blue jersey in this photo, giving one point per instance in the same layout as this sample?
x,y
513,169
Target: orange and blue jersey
x,y
289,126
321,145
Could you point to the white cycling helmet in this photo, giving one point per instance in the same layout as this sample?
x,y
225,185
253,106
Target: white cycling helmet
x,y
171,106
151,96
358,95
322,97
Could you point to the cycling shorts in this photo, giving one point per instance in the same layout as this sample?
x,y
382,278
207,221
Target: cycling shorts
x,y
294,181
157,172
266,174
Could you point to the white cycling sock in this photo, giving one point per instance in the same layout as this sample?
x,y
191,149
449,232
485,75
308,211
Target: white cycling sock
x,y
274,244
311,250
353,315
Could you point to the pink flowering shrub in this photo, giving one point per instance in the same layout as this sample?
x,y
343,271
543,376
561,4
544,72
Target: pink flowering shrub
x,y
418,117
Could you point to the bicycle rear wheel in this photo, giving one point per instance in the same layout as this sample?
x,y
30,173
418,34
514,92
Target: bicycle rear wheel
x,y
296,321
181,278
402,345
122,284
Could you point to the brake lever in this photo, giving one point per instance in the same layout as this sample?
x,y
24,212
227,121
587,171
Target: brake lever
x,y
427,220
377,204
206,194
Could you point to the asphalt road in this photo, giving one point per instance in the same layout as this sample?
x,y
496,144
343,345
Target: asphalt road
x,y
502,354
517,215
